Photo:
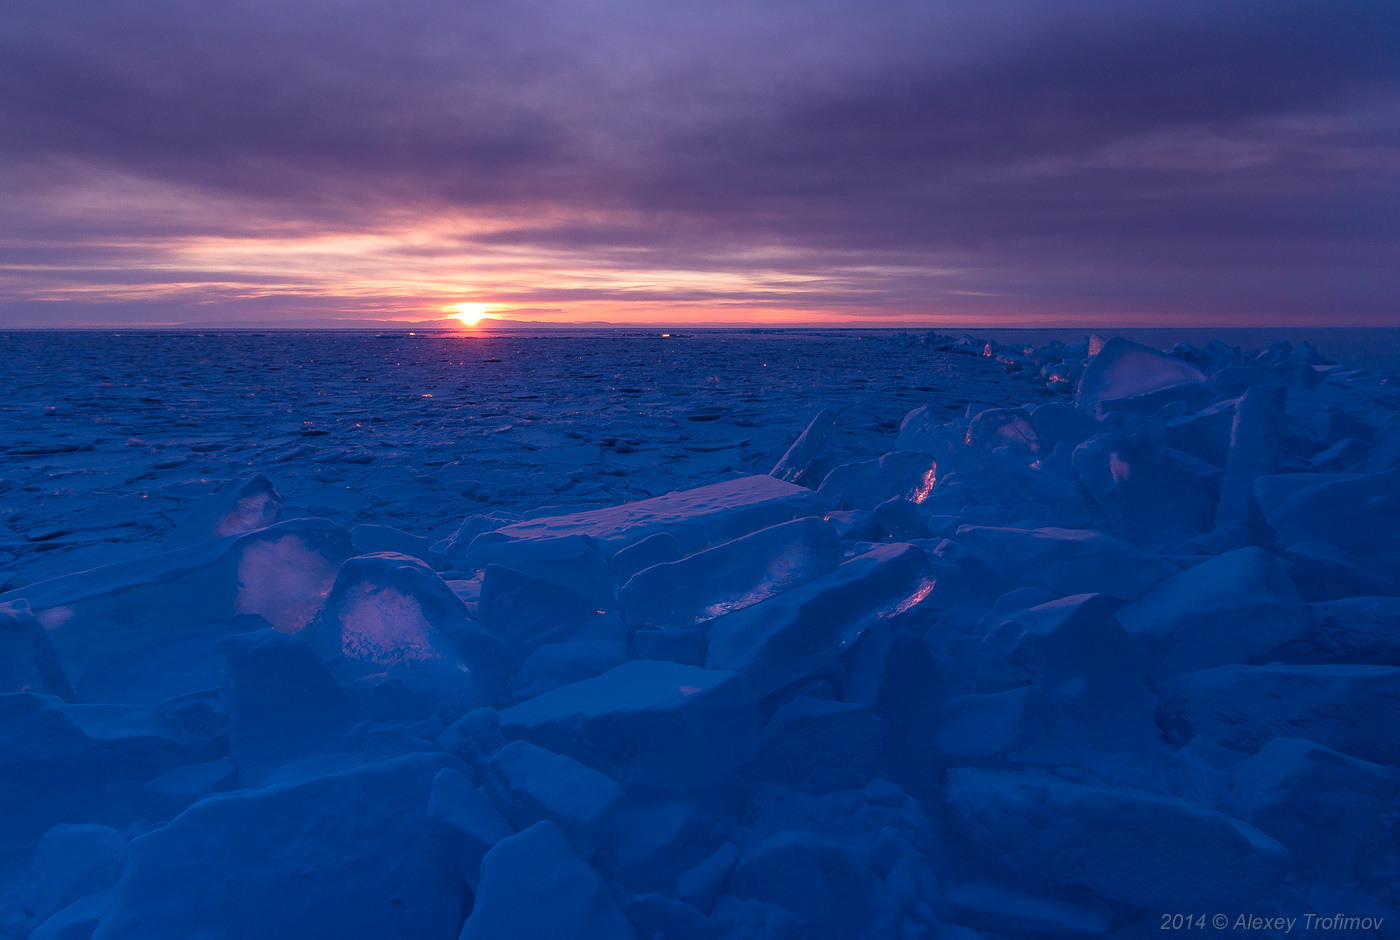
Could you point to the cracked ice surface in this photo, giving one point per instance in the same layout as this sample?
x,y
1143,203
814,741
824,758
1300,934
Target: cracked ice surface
x,y
731,635
106,441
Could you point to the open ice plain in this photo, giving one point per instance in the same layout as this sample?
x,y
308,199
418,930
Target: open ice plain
x,y
109,440
502,636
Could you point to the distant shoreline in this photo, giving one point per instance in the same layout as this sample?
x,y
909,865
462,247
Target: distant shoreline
x,y
1366,347
595,327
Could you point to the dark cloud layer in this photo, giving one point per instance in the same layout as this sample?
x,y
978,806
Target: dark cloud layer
x,y
1190,159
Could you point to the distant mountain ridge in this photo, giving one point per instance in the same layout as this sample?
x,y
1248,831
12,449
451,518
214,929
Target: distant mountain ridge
x,y
355,323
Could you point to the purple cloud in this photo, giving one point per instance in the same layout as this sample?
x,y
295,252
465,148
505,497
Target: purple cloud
x,y
1193,160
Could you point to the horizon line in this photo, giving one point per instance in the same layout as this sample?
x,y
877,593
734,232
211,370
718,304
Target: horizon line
x,y
489,324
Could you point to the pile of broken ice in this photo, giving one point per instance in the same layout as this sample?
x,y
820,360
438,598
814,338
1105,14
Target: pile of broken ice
x,y
1052,670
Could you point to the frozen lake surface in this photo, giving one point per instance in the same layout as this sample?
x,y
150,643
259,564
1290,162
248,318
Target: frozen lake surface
x,y
106,439
717,636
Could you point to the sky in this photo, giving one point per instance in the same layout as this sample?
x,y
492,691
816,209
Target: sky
x,y
865,162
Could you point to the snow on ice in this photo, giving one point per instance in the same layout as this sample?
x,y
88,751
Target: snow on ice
x,y
1119,639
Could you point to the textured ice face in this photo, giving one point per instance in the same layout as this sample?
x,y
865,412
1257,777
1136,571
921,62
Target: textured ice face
x,y
1123,369
284,581
253,511
730,576
385,626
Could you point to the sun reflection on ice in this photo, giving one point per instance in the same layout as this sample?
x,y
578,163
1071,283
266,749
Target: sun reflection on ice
x,y
909,602
1119,468
925,487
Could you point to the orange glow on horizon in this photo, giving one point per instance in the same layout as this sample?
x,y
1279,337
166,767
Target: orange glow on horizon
x,y
428,261
153,258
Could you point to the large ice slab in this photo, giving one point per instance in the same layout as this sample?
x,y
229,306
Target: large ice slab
x,y
1141,490
144,630
730,576
656,549
1224,610
574,562
1009,428
820,880
865,484
239,506
991,489
1155,852
533,887
1124,369
820,745
285,571
648,723
651,845
795,465
393,614
1348,510
794,634
28,662
1351,630
464,817
697,518
530,784
557,664
524,611
62,763
1204,434
70,863
1352,709
1324,572
1385,447
283,704
78,920
344,855
1065,561
1329,809
1057,423
923,430
1256,440
1071,663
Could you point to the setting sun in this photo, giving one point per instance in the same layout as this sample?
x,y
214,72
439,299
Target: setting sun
x,y
470,313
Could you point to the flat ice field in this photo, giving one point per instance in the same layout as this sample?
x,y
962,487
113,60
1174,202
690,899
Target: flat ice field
x,y
727,635
106,442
